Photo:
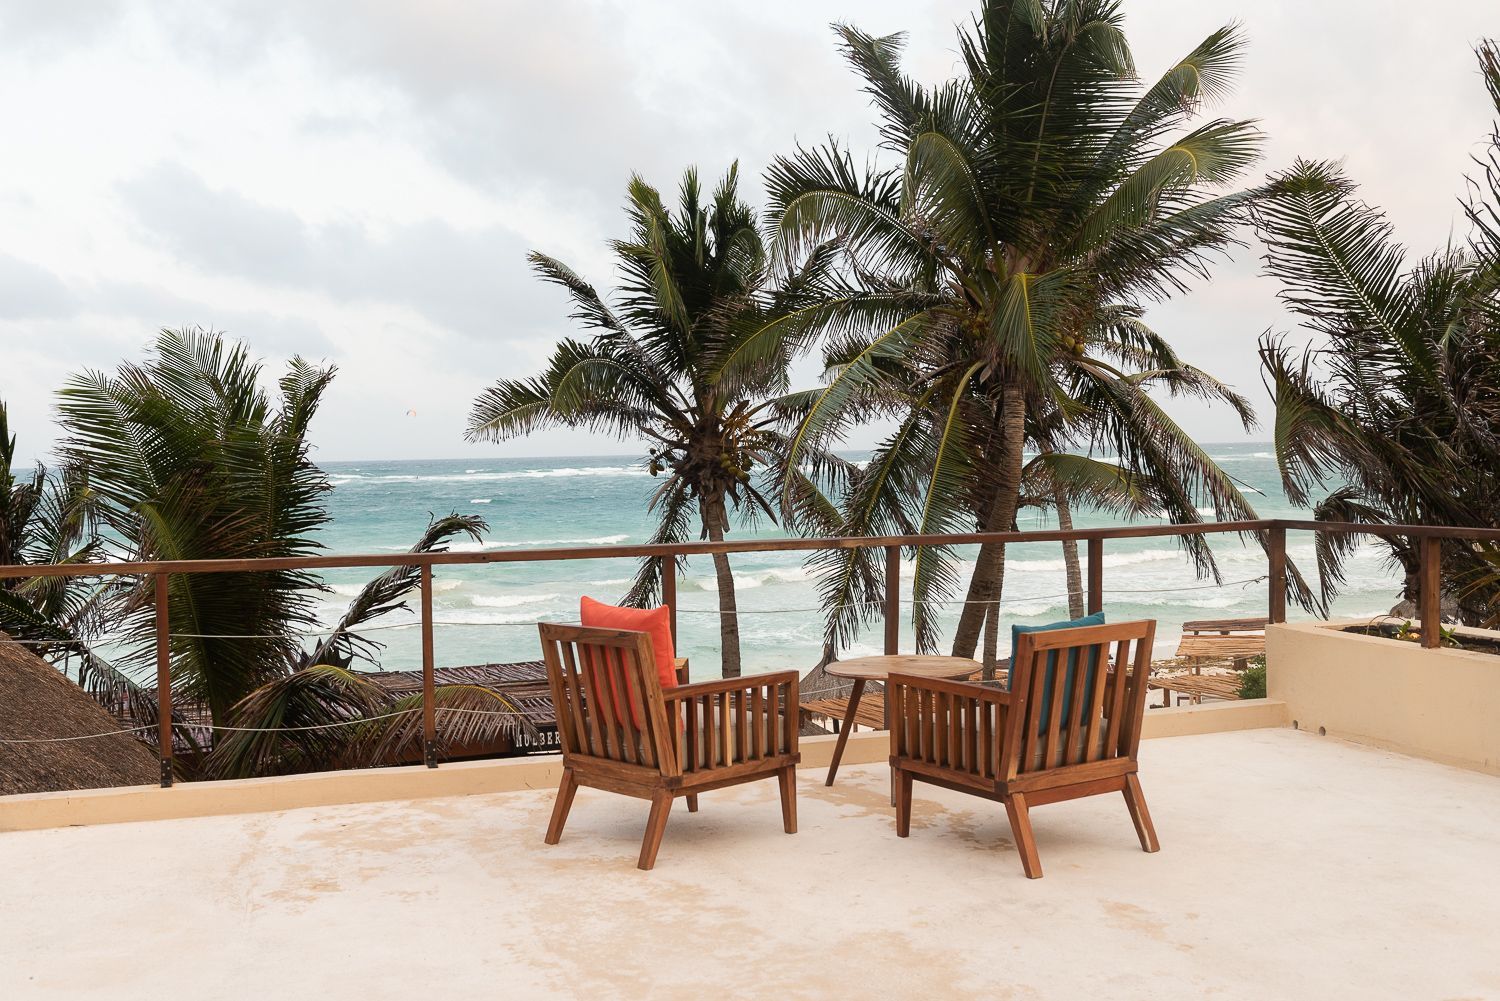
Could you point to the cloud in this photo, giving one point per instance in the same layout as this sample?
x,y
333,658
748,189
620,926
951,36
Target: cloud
x,y
27,290
360,181
467,280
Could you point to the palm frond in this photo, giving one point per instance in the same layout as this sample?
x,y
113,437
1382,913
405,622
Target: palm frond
x,y
388,593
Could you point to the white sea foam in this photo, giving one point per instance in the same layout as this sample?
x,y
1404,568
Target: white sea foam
x,y
1242,458
512,600
481,476
964,568
750,579
482,618
492,545
612,582
1026,609
481,500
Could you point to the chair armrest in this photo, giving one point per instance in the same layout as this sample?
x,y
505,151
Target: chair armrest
x,y
699,688
963,689
681,666
736,720
954,726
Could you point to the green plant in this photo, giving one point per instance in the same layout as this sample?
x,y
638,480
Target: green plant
x,y
1253,679
1392,408
1409,632
693,358
188,458
52,516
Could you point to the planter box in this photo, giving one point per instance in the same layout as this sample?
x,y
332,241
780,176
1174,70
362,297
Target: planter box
x,y
1439,704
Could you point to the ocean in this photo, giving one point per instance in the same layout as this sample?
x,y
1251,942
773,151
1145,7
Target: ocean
x,y
487,613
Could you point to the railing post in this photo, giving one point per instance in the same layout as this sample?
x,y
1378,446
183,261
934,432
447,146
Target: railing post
x,y
429,711
1276,551
1096,576
892,600
163,679
1430,597
669,592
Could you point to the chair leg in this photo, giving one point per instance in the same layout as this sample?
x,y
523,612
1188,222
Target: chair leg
x,y
787,779
560,807
1020,827
903,802
692,802
1136,801
656,826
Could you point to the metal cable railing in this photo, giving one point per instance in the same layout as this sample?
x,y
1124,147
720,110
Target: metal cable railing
x,y
1270,533
217,728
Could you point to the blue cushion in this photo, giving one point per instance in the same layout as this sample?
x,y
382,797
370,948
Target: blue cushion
x,y
1044,710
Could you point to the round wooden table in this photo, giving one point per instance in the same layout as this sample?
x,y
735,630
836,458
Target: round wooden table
x,y
863,669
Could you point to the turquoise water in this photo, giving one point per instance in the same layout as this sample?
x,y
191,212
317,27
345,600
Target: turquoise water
x,y
487,613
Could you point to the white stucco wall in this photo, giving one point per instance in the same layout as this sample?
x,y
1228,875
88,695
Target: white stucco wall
x,y
1440,704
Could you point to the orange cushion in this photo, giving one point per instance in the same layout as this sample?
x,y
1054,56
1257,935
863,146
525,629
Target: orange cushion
x,y
656,621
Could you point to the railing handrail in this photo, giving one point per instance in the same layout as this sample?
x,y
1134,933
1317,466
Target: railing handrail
x,y
537,554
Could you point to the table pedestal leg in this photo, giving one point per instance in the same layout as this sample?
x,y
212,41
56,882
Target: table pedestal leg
x,y
838,748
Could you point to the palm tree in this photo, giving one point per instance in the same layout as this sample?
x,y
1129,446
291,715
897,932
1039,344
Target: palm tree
x,y
1043,197
1393,409
692,358
188,458
191,460
51,517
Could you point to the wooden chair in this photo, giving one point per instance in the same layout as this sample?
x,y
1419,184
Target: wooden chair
x,y
620,732
1020,747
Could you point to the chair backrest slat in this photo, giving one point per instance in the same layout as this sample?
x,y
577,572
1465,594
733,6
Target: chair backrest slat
x,y
593,737
987,741
613,682
1073,721
1092,741
1140,674
1080,706
1117,691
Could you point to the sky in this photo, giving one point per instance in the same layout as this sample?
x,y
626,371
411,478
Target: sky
x,y
359,183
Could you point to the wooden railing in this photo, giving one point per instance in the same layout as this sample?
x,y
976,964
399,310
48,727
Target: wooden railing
x,y
1273,532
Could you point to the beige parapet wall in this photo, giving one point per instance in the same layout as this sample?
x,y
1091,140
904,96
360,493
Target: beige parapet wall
x,y
1442,704
465,778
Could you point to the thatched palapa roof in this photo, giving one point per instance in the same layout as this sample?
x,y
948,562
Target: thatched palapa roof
x,y
36,701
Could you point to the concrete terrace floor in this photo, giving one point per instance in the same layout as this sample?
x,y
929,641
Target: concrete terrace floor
x,y
1292,866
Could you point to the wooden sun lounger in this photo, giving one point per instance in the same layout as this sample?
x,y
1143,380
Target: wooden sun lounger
x,y
1232,639
871,712
1196,687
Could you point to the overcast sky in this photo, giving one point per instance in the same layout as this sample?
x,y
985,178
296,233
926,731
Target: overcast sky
x,y
360,182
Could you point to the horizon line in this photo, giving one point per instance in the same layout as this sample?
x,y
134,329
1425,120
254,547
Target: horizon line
x,y
636,455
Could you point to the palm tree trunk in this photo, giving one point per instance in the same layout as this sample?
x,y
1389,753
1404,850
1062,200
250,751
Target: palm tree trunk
x,y
1070,555
715,520
985,585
